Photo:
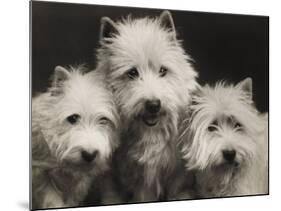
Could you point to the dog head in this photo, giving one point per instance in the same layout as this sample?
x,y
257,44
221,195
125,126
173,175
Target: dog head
x,y
80,120
222,132
147,68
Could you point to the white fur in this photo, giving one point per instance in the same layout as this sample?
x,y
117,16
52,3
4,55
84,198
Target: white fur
x,y
203,148
57,144
147,44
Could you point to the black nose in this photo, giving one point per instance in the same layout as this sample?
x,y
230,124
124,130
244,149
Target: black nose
x,y
153,106
89,156
229,155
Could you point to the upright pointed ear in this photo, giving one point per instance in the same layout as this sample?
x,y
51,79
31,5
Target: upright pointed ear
x,y
247,86
166,21
61,74
108,28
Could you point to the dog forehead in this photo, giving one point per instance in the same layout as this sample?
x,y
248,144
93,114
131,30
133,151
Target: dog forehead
x,y
224,97
141,38
225,102
226,111
225,117
143,31
86,94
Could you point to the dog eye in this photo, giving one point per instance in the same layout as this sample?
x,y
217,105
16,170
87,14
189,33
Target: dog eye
x,y
212,128
104,121
73,119
238,125
163,71
133,73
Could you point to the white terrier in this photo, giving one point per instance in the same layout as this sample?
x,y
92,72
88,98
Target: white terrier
x,y
74,132
151,78
226,142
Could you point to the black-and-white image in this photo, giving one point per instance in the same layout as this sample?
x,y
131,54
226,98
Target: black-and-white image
x,y
133,105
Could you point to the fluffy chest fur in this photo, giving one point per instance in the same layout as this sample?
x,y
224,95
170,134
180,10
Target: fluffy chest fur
x,y
150,160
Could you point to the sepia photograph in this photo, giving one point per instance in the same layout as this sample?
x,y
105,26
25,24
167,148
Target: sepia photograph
x,y
135,105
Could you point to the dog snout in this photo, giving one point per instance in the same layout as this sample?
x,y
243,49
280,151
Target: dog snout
x,y
229,155
153,106
89,156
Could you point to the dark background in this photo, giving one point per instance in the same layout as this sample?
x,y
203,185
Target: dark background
x,y
224,46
